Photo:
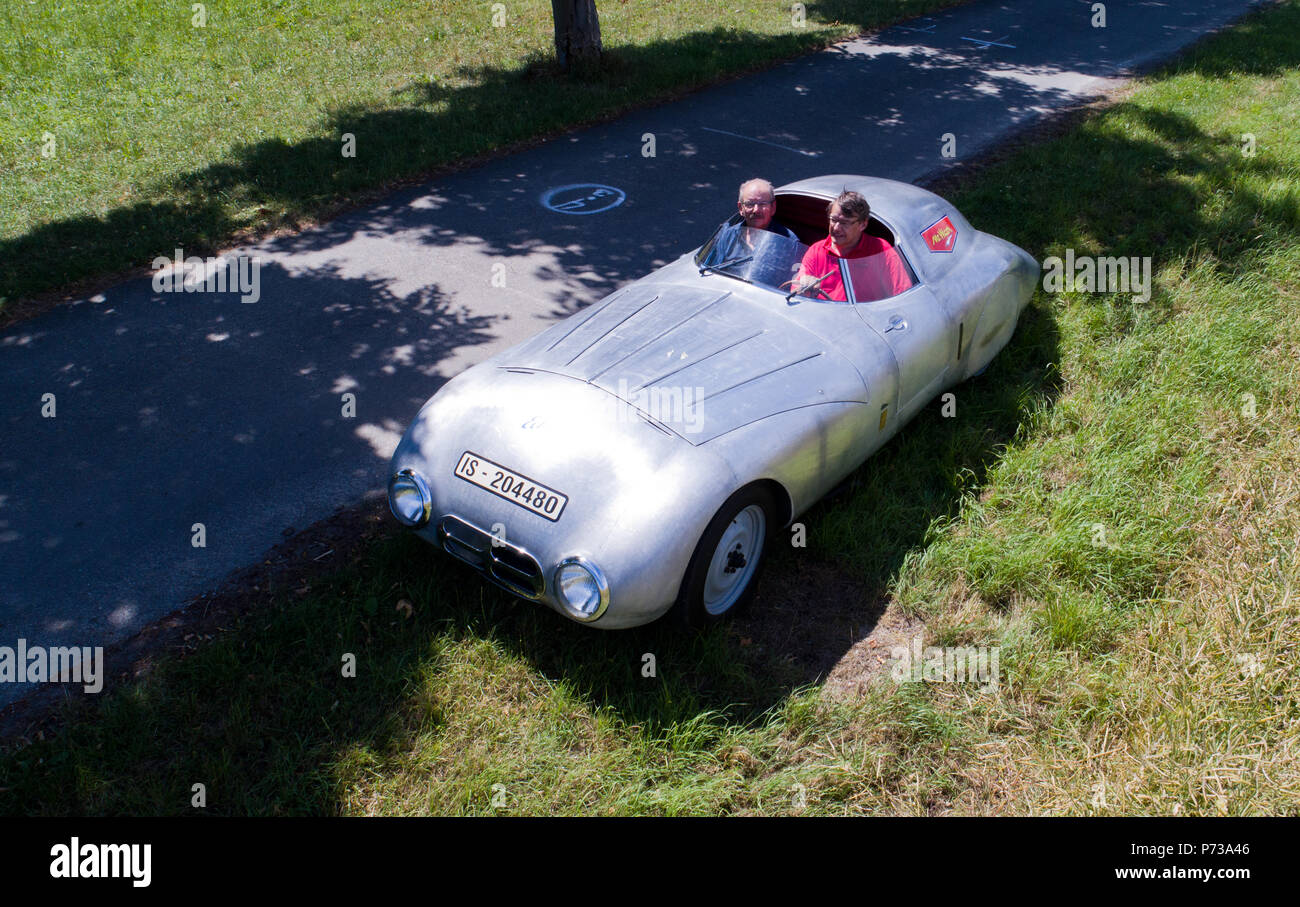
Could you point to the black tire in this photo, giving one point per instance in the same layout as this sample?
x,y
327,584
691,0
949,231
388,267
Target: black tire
x,y
711,592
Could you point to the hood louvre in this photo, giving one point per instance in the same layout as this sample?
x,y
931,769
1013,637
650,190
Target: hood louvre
x,y
664,333
682,368
609,330
694,360
763,375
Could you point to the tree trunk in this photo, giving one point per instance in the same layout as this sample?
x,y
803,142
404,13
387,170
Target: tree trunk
x,y
577,33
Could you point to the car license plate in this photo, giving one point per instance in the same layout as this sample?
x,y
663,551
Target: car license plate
x,y
508,484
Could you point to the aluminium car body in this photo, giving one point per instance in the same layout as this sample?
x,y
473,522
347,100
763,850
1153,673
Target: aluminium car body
x,y
641,451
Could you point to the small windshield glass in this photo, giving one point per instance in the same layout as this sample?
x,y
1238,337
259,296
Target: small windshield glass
x,y
877,276
756,256
864,279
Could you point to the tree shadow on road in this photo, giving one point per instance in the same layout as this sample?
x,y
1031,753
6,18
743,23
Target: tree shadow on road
x,y
275,184
272,185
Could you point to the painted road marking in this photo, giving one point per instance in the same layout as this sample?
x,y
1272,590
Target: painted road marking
x,y
984,43
747,138
582,198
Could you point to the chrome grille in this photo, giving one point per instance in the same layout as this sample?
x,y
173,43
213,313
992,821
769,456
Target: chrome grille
x,y
509,565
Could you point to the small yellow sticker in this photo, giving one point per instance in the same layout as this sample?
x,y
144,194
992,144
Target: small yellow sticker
x,y
884,415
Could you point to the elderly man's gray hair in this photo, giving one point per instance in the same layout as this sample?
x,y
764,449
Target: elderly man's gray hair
x,y
755,184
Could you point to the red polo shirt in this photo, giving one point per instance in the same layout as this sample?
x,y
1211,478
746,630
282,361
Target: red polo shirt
x,y
879,279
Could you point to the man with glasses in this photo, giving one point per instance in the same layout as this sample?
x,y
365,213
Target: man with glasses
x,y
757,204
819,273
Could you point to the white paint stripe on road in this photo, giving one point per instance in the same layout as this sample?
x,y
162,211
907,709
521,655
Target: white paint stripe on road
x,y
760,141
990,43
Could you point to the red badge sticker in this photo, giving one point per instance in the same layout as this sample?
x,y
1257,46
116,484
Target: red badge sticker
x,y
940,236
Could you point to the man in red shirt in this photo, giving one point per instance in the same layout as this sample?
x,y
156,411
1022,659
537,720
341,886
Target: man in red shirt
x,y
882,276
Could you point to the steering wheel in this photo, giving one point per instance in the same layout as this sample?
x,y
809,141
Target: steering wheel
x,y
815,285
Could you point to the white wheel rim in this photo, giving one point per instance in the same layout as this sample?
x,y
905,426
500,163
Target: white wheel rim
x,y
734,560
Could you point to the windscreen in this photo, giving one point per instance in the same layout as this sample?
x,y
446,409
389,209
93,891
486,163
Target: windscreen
x,y
752,255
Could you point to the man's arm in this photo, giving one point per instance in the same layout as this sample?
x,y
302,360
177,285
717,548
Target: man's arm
x,y
819,276
725,247
896,272
879,276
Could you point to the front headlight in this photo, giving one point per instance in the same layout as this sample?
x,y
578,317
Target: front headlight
x,y
409,498
581,589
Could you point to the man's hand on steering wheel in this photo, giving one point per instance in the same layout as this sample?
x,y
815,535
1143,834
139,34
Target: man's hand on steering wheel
x,y
807,283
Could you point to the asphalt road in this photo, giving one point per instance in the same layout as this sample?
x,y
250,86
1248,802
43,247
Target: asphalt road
x,y
177,409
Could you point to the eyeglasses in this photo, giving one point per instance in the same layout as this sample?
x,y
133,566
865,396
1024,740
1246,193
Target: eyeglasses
x,y
757,204
845,220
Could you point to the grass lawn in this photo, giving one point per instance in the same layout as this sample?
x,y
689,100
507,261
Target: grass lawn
x,y
1115,505
127,128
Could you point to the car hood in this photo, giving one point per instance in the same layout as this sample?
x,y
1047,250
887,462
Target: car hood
x,y
699,360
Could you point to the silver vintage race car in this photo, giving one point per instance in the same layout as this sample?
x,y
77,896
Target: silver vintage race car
x,y
639,454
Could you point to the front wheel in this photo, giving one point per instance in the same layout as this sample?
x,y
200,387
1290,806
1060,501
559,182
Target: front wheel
x,y
722,574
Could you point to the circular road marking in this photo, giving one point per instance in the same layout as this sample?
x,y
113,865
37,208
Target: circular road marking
x,y
582,198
